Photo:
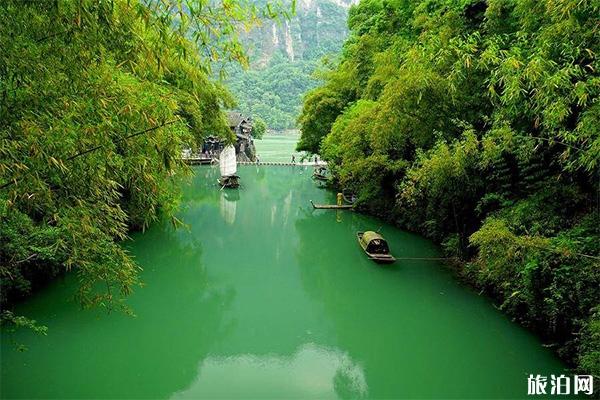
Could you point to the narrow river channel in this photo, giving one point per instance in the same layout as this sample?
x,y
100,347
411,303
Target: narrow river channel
x,y
264,297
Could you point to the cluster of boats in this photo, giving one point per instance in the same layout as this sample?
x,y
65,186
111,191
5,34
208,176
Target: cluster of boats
x,y
373,244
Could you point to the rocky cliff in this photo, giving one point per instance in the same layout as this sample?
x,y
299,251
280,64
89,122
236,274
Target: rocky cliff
x,y
318,28
283,55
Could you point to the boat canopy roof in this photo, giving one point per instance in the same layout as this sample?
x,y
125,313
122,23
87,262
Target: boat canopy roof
x,y
375,243
368,236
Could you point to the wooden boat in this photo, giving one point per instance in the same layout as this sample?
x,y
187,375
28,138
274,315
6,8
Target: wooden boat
x,y
231,181
375,246
228,168
320,173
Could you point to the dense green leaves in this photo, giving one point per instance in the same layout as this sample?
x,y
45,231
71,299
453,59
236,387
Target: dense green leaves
x,y
273,92
97,100
476,123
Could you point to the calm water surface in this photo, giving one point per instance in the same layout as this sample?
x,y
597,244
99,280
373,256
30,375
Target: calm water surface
x,y
278,147
265,297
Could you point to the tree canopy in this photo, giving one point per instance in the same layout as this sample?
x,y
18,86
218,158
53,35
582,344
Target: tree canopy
x,y
283,58
97,100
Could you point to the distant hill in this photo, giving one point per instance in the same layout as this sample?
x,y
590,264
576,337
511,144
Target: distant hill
x,y
283,55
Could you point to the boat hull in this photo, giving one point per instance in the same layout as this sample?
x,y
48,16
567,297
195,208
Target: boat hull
x,y
230,182
378,258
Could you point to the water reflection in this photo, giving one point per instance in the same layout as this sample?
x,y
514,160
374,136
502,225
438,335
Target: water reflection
x,y
313,371
228,201
267,297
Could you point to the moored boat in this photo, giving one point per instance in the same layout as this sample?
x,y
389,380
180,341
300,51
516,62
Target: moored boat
x,y
228,167
375,247
232,181
320,173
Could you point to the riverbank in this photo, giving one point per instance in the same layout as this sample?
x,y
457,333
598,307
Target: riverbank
x,y
580,349
514,293
450,128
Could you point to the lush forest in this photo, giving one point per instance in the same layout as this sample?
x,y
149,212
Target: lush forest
x,y
283,58
273,93
477,124
97,99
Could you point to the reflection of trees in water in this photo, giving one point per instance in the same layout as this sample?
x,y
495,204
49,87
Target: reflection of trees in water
x,y
201,188
348,384
260,174
334,272
310,371
179,306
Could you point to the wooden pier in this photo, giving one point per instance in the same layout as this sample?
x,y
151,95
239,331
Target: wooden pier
x,y
208,161
331,206
199,160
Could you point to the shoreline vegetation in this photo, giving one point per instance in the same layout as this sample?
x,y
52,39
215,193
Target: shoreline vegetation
x,y
97,101
477,124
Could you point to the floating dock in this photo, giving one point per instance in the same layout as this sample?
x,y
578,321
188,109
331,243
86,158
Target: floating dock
x,y
331,206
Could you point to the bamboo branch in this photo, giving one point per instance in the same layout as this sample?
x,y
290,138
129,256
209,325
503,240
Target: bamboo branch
x,y
553,141
90,150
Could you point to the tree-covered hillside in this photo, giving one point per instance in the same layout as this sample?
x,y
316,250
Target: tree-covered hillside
x,y
477,123
273,93
283,57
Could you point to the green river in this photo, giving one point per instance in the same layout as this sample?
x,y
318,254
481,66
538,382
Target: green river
x,y
263,297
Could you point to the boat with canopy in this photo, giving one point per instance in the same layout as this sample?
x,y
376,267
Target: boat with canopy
x,y
375,247
320,173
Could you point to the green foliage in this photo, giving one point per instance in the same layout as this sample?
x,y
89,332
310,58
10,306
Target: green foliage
x,y
97,100
590,353
12,322
321,107
273,87
273,93
259,127
548,283
476,123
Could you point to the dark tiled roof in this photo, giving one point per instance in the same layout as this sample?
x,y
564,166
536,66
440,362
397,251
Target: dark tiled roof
x,y
235,119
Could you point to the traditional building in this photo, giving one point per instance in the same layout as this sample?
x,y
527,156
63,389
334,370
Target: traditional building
x,y
241,126
244,144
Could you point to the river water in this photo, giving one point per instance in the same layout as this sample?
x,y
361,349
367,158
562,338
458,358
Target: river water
x,y
278,147
263,297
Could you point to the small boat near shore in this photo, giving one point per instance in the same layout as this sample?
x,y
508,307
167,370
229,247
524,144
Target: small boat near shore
x,y
228,168
231,182
320,173
375,247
